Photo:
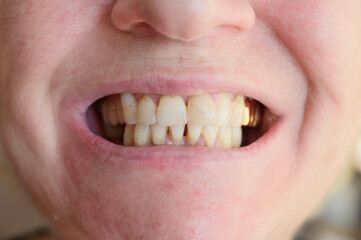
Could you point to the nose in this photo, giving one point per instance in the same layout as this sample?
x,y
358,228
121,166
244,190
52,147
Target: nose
x,y
181,19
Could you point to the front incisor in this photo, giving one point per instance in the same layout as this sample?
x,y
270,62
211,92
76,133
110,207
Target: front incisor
x,y
223,107
209,134
129,107
193,133
176,134
172,111
237,112
146,110
142,134
202,110
159,134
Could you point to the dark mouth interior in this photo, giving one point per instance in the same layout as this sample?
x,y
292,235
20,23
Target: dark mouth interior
x,y
114,133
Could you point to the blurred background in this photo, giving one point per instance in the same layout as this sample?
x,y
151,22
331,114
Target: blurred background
x,y
338,217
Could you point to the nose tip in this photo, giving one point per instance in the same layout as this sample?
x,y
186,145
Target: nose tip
x,y
181,19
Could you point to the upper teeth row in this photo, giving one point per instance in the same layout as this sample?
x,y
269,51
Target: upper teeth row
x,y
201,114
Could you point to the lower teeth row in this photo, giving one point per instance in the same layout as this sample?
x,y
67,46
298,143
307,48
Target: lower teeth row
x,y
158,120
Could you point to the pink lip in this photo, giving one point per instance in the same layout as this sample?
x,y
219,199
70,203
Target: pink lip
x,y
74,109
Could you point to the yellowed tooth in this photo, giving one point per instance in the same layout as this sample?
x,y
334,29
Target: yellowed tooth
x,y
202,110
128,138
105,111
223,107
129,106
209,134
159,134
236,137
142,134
176,134
172,111
193,134
146,110
224,136
120,110
237,114
113,115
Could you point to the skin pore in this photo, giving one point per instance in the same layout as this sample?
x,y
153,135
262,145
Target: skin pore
x,y
300,58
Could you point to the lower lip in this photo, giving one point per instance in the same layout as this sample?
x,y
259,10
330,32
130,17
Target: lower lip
x,y
166,155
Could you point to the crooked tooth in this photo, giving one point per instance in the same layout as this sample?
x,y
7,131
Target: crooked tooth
x,y
176,134
202,110
159,134
129,107
113,113
236,137
172,111
223,107
146,110
193,133
128,138
142,134
105,111
224,136
238,108
120,110
209,134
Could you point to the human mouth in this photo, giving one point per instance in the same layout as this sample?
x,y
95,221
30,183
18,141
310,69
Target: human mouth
x,y
225,120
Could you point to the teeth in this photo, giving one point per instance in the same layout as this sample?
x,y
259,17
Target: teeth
x,y
129,107
172,111
236,137
209,134
176,133
223,108
142,134
146,110
238,108
128,138
148,123
159,134
193,134
119,111
224,136
201,110
113,112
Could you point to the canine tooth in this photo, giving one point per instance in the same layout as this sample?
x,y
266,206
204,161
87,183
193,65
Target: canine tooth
x,y
236,137
113,115
129,106
193,134
142,134
146,110
223,107
209,134
224,136
238,108
201,110
105,111
159,134
176,133
120,110
172,111
128,138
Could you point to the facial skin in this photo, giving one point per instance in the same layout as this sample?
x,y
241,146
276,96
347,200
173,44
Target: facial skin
x,y
300,58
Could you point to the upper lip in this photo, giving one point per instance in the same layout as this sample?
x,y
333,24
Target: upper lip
x,y
198,81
